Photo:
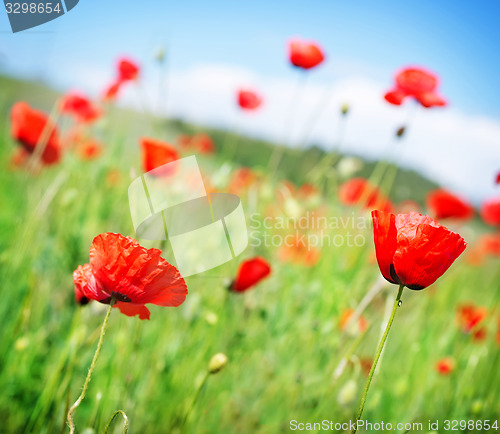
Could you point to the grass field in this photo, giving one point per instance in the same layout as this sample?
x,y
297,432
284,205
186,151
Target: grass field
x,y
289,359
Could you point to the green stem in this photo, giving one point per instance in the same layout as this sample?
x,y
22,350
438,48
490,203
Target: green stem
x,y
377,356
125,418
91,370
195,397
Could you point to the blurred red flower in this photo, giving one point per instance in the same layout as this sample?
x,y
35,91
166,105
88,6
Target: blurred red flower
x,y
446,205
203,143
112,91
490,244
490,211
80,107
497,180
133,276
296,251
156,153
32,128
89,149
305,54
251,272
248,99
345,318
416,83
445,366
127,70
412,249
470,317
241,180
355,190
183,140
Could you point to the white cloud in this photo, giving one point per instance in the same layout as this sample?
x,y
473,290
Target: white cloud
x,y
460,151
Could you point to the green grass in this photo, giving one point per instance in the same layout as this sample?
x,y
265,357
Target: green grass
x,y
282,338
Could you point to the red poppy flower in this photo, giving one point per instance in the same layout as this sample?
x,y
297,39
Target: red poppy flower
x,y
416,83
251,272
127,70
112,91
470,317
156,153
355,190
345,318
89,149
184,140
241,180
446,205
490,244
445,366
296,251
80,107
412,249
490,212
249,100
305,54
395,97
28,126
203,143
122,270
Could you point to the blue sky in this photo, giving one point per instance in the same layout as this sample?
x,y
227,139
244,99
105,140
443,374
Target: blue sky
x,y
216,45
458,40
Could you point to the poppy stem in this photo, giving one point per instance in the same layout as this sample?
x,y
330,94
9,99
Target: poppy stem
x,y
377,357
125,419
91,370
195,397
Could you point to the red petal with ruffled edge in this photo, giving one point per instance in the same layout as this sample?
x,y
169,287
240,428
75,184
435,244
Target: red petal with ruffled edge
x,y
121,265
425,250
413,249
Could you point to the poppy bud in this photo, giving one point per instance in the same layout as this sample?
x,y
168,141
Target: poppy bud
x,y
348,393
160,55
400,132
217,363
344,109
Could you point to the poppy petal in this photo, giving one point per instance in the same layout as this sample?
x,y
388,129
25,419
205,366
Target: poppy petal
x,y
131,309
385,236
